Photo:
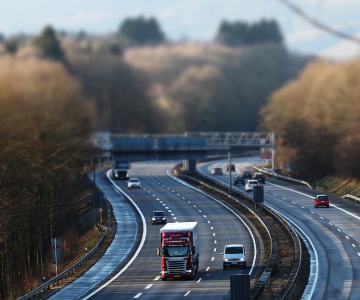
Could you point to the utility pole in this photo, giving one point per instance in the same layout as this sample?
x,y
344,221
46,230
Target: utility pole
x,y
230,172
93,165
273,150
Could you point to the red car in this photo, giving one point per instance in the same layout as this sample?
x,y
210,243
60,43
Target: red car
x,y
321,200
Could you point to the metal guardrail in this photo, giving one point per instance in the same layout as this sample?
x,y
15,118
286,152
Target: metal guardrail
x,y
351,197
272,173
265,277
68,272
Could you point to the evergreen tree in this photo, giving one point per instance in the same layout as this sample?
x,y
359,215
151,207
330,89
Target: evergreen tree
x,y
142,31
49,45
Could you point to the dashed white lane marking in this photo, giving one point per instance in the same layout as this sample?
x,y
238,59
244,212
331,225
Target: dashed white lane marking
x,y
212,228
330,223
183,198
339,230
187,293
173,191
189,202
199,280
214,234
215,241
178,194
168,188
144,189
214,249
204,216
293,202
274,195
212,258
353,245
163,185
149,192
321,218
312,212
302,207
167,207
347,237
194,205
208,221
157,277
172,215
157,199
154,196
169,210
138,295
175,218
207,269
358,253
148,286
284,198
160,202
199,210
176,221
164,204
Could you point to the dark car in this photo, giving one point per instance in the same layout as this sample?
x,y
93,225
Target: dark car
x,y
247,174
260,177
321,200
239,180
158,217
232,168
216,171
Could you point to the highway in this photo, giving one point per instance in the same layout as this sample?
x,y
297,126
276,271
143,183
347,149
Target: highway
x,y
141,278
333,231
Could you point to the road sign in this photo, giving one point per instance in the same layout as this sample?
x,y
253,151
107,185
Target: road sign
x,y
287,167
265,153
55,242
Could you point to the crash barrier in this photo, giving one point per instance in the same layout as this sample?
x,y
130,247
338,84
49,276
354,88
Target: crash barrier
x,y
265,277
69,271
349,196
273,173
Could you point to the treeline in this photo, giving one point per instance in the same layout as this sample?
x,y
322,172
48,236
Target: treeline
x,y
317,121
210,87
45,124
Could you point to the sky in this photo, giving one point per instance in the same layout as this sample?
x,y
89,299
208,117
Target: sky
x,y
193,20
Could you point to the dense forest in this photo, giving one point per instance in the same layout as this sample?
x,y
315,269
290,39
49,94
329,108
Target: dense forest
x,y
317,121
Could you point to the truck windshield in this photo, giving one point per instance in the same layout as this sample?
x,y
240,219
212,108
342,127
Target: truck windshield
x,y
176,251
120,165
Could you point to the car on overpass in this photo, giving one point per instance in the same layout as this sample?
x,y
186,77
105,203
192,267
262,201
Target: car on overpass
x,y
321,200
217,171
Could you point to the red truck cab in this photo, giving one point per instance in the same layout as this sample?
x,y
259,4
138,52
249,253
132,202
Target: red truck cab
x,y
179,250
321,200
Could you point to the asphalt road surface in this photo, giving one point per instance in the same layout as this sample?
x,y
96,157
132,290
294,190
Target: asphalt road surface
x,y
333,231
142,279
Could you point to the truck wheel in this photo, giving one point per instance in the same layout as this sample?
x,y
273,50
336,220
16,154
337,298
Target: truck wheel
x,y
163,279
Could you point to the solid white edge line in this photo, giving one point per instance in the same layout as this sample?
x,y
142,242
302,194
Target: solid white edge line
x,y
149,286
199,280
138,249
168,172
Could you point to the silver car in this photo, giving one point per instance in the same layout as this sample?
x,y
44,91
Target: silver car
x,y
250,184
133,183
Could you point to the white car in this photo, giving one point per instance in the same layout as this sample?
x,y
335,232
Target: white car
x,y
134,183
250,184
234,255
